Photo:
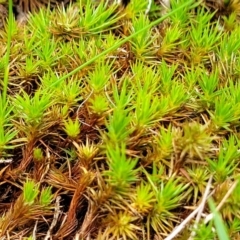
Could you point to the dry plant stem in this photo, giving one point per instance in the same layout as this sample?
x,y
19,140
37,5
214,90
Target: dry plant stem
x,y
166,3
90,94
55,218
9,160
90,217
27,156
47,167
109,99
231,189
77,236
205,196
166,6
180,227
71,221
35,230
148,6
81,106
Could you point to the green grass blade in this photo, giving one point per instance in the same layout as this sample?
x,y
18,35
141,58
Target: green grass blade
x,y
7,57
218,222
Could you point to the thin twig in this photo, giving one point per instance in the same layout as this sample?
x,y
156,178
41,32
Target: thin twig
x,y
198,217
182,225
9,160
148,7
34,231
231,189
90,94
109,99
55,218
